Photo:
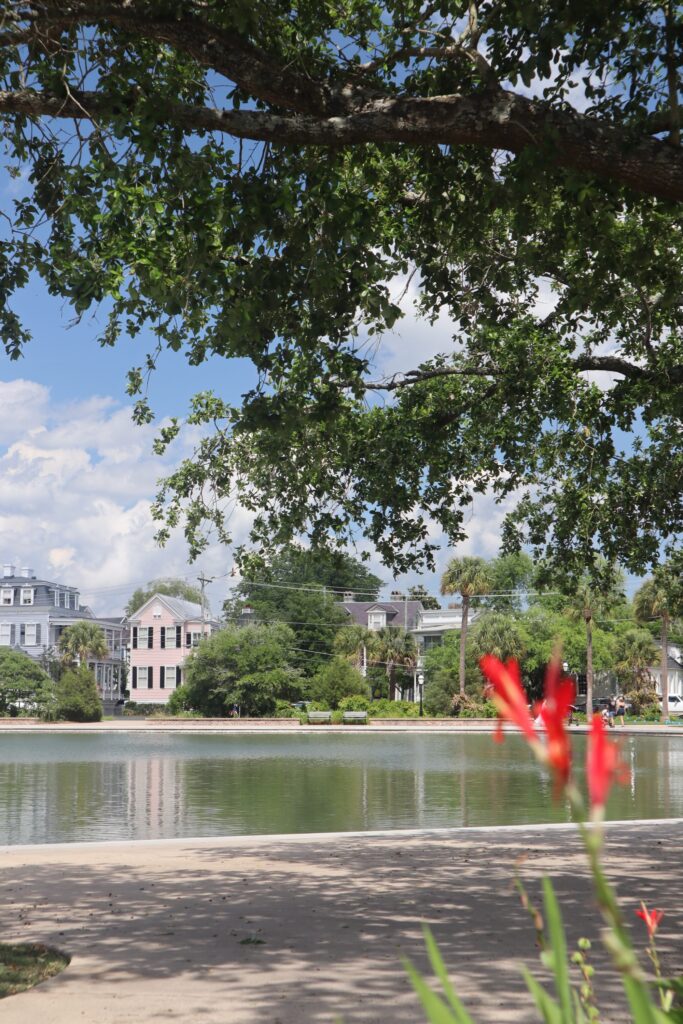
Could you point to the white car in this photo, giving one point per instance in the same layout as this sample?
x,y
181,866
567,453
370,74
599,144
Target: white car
x,y
675,704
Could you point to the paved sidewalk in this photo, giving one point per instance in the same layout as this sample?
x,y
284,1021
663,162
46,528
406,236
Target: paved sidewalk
x,y
290,725
307,929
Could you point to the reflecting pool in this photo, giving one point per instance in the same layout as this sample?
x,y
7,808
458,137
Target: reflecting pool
x,y
71,788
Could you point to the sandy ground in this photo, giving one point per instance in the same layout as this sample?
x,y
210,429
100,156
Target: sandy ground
x,y
313,929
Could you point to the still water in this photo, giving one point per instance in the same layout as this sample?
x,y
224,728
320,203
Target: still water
x,y
61,788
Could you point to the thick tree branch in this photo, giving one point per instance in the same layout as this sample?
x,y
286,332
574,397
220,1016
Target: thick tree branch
x,y
582,363
497,121
228,53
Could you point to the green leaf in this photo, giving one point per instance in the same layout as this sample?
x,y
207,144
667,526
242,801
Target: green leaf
x,y
435,1008
558,948
439,969
549,1009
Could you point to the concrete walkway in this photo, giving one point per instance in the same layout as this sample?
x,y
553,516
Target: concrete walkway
x,y
290,930
292,725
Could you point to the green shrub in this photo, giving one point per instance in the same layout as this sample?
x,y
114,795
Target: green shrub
x,y
337,717
317,705
284,709
135,708
438,695
76,696
393,709
178,701
650,713
355,703
335,681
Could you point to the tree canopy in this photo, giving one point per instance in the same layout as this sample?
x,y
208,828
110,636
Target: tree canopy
x,y
170,586
249,667
303,588
261,181
24,686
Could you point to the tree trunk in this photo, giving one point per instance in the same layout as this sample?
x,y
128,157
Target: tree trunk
x,y
463,641
589,668
391,676
664,667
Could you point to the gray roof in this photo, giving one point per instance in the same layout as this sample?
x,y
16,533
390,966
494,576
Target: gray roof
x,y
178,608
398,612
33,581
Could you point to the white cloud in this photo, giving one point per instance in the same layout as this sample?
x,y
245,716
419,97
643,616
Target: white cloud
x,y
22,404
76,484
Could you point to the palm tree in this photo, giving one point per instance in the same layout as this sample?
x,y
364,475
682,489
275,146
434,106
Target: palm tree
x,y
467,577
356,644
636,652
661,597
81,641
593,593
394,648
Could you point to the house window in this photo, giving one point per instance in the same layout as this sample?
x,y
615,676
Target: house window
x,y
168,677
27,595
30,638
5,634
7,597
377,620
145,636
144,678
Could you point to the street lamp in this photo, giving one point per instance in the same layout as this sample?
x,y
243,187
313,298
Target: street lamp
x,y
421,686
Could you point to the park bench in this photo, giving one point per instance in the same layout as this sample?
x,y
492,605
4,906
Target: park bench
x,y
354,716
319,717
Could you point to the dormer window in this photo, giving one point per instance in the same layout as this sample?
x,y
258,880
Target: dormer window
x,y
7,596
27,595
377,620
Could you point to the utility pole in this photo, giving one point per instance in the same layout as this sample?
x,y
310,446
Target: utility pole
x,y
203,580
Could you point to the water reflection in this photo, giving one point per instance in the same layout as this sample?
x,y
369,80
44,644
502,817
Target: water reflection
x,y
57,788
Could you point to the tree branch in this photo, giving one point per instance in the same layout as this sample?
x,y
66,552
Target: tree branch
x,y
582,363
500,120
226,52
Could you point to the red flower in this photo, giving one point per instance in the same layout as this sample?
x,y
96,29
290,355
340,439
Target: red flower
x,y
559,697
603,764
651,919
508,695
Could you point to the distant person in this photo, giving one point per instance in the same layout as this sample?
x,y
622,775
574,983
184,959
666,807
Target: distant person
x,y
621,710
605,715
611,711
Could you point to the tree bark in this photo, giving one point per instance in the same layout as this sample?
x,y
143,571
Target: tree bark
x,y
664,667
589,667
463,641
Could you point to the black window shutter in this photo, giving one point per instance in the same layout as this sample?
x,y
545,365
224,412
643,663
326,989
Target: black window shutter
x,y
179,636
150,678
177,675
135,678
188,639
150,636
161,676
135,637
22,634
162,637
12,634
37,633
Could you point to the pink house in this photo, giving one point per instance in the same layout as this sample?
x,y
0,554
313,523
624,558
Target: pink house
x,y
162,634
